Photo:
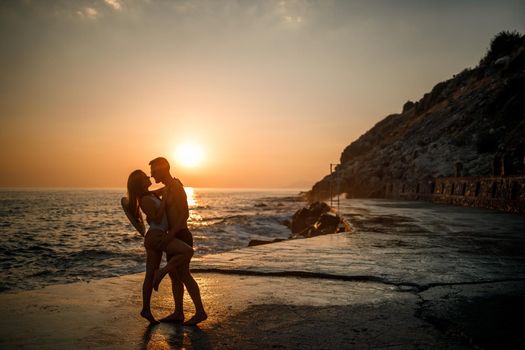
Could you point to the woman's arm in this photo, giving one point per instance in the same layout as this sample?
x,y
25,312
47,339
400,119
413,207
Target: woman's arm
x,y
159,191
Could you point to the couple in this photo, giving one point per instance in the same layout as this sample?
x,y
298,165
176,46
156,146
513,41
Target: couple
x,y
168,232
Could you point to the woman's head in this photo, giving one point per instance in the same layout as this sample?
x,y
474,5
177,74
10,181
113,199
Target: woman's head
x,y
138,184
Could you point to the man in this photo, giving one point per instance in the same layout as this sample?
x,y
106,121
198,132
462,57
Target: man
x,y
177,212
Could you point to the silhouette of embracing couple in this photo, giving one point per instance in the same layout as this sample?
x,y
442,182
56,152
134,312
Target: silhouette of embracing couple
x,y
166,213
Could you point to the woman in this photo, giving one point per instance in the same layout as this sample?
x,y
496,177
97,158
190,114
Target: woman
x,y
141,198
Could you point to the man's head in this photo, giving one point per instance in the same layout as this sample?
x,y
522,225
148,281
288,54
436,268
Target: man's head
x,y
160,169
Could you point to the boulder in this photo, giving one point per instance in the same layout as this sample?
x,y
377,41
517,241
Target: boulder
x,y
314,221
502,61
306,217
327,223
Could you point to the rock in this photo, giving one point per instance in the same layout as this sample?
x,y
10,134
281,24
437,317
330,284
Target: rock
x,y
503,61
317,219
255,242
305,217
318,208
301,220
287,223
314,221
328,223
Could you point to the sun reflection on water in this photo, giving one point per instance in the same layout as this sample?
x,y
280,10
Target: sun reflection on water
x,y
195,217
191,197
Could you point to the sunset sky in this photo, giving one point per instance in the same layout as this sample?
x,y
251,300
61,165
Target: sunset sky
x,y
269,92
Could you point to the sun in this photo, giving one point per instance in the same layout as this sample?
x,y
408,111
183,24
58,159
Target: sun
x,y
189,155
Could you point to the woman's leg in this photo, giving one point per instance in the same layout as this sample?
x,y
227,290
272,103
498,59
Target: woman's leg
x,y
181,253
184,274
153,258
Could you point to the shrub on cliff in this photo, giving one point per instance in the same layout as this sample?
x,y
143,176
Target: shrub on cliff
x,y
408,106
503,44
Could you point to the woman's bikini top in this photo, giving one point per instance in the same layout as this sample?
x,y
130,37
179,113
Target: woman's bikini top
x,y
163,225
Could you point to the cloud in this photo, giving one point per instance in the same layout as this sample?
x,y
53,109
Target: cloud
x,y
292,12
115,4
293,19
88,12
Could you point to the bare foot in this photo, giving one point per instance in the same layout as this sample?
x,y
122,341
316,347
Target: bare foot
x,y
197,318
173,318
157,279
148,316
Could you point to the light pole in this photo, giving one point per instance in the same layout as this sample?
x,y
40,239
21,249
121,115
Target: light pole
x,y
332,166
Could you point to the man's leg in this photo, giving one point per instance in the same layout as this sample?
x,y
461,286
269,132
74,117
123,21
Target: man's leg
x,y
177,289
194,291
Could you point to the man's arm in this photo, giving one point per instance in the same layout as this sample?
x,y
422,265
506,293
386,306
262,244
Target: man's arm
x,y
159,191
178,212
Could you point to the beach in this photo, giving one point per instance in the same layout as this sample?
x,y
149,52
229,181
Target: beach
x,y
260,312
324,292
256,311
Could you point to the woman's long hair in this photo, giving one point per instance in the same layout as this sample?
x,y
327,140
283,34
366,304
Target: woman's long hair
x,y
135,191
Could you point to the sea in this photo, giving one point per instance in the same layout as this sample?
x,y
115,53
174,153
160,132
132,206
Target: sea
x,y
56,236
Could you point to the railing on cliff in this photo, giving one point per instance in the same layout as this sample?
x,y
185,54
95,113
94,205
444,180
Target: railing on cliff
x,y
494,192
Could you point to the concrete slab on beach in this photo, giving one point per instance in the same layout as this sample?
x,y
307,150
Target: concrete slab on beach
x,y
256,311
253,312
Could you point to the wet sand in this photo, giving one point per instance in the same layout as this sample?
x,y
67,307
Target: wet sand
x,y
254,312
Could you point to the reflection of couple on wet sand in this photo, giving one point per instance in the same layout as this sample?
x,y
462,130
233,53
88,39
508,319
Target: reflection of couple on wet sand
x,y
168,232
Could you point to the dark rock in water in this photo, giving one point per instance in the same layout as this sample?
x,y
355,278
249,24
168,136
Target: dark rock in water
x,y
315,220
306,217
319,208
287,223
255,242
301,220
328,223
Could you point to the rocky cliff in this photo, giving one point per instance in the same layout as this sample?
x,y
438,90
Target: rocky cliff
x,y
458,128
